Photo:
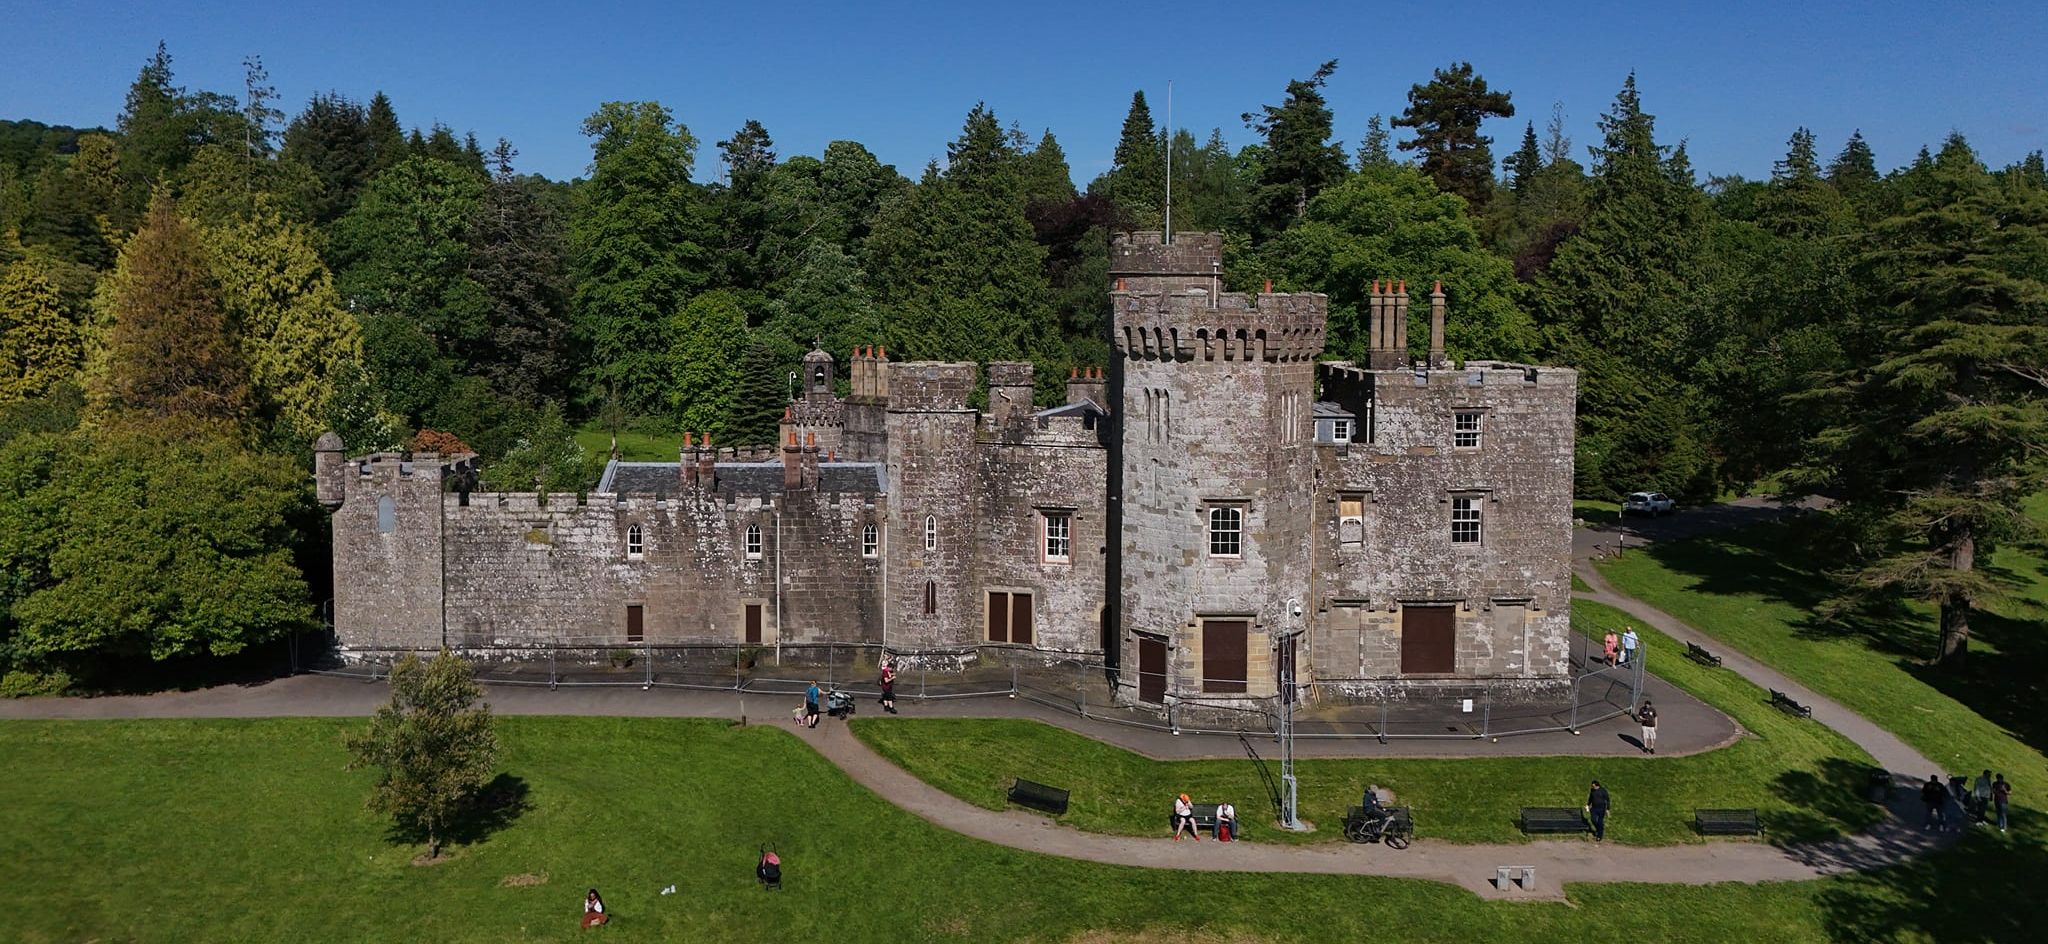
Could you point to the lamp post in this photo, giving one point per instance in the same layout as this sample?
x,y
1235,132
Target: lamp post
x,y
1289,805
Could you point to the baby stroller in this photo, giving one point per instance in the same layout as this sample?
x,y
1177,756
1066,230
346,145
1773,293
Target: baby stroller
x,y
769,870
839,704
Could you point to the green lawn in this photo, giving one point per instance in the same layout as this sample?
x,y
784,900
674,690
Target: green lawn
x,y
634,445
1593,511
1801,776
180,830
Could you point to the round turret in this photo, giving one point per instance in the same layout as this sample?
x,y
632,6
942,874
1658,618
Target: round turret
x,y
328,458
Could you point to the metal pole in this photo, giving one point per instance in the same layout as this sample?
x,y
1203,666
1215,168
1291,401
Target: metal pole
x,y
647,650
552,677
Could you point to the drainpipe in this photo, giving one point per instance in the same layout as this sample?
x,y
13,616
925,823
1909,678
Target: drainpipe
x,y
778,584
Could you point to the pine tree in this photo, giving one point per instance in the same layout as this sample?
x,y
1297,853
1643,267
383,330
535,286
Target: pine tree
x,y
1046,177
331,138
710,338
1136,182
151,130
763,390
1936,439
1523,165
1446,115
1300,159
260,114
169,354
40,347
825,301
635,244
386,137
517,253
1376,150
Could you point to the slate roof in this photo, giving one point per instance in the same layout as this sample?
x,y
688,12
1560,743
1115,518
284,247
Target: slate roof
x,y
1325,410
744,478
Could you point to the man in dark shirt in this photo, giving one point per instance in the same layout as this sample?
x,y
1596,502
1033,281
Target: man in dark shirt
x,y
1935,796
1596,807
1647,716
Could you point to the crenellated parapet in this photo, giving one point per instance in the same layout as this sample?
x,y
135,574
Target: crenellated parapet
x,y
1193,326
929,386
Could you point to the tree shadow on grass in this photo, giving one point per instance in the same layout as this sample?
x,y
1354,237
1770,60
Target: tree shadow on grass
x,y
1975,891
1828,802
2008,686
498,805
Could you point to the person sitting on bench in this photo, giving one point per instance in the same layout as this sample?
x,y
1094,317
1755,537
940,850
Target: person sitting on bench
x,y
593,910
1184,818
1226,822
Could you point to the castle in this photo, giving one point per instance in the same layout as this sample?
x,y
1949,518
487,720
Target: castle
x,y
1193,515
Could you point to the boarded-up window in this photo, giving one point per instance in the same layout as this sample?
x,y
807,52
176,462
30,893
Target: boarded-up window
x,y
1351,519
1428,640
387,515
635,628
1151,669
1510,629
1223,656
1009,617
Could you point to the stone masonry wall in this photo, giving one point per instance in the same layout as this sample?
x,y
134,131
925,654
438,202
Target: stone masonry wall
x,y
1061,469
387,587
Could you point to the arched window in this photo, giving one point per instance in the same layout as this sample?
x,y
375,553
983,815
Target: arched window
x,y
931,598
387,515
753,542
1226,531
635,542
931,532
870,540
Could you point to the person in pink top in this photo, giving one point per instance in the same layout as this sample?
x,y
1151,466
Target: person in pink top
x,y
1611,645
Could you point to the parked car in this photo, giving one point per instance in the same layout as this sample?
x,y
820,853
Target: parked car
x,y
1648,503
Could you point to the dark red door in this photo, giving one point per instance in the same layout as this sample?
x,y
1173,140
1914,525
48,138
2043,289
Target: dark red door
x,y
1428,640
1020,618
1223,656
753,624
998,616
635,629
1151,670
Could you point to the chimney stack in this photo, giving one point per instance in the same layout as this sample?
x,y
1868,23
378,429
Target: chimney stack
x,y
707,465
1436,327
792,464
1401,321
688,460
810,477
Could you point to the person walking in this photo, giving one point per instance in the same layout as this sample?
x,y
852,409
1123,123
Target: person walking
x,y
1597,802
1611,646
1980,798
1184,818
889,687
2001,797
1628,645
1647,717
811,696
1935,796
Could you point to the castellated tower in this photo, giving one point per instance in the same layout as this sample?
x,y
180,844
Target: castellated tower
x,y
1215,473
933,487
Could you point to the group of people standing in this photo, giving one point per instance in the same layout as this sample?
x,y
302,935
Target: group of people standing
x,y
1979,801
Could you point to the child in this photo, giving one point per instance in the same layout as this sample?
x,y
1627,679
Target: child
x,y
889,687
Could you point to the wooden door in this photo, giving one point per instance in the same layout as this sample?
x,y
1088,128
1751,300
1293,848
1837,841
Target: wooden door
x,y
1151,670
636,630
753,624
1020,618
1428,640
998,616
1223,656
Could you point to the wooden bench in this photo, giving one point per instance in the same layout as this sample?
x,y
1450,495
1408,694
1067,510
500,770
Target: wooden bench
x,y
1554,819
1038,796
1700,655
1726,822
1784,702
1205,818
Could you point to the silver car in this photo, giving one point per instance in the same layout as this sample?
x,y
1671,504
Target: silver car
x,y
1648,503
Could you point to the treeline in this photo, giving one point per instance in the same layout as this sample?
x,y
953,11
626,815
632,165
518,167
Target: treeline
x,y
204,288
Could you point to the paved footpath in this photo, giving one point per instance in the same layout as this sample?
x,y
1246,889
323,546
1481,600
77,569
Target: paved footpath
x,y
1468,866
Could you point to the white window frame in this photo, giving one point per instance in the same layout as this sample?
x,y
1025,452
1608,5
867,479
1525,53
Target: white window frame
x,y
753,542
870,539
1340,431
1467,438
1226,529
1468,520
931,532
636,542
1056,537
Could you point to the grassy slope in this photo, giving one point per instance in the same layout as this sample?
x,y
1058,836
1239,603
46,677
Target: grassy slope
x,y
183,830
1800,775
1754,589
633,446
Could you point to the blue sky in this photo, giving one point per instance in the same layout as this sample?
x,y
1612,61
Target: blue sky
x,y
1734,78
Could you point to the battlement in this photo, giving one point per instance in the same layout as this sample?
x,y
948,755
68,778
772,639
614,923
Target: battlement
x,y
929,386
1195,325
1148,253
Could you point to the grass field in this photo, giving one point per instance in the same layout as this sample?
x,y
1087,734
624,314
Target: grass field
x,y
177,830
634,446
1802,777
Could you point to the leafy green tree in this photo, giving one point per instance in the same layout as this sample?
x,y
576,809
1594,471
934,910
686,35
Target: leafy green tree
x,y
1393,223
405,249
1936,439
517,256
403,363
294,333
1446,115
434,746
169,353
710,338
636,248
762,391
39,345
1136,182
825,301
1208,192
355,411
149,542
1300,159
547,459
64,218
